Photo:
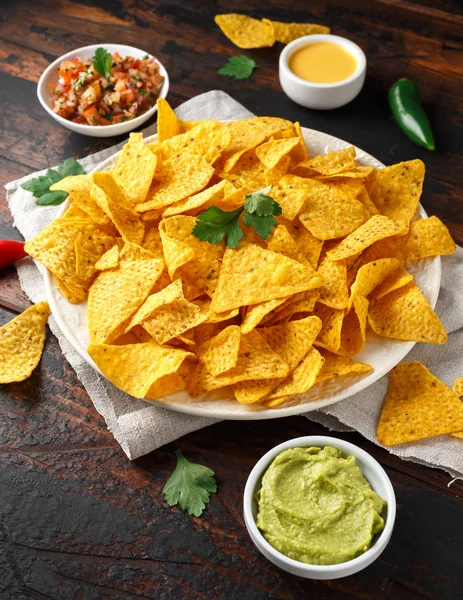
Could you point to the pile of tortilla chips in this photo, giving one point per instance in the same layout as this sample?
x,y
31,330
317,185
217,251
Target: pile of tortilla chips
x,y
270,318
246,32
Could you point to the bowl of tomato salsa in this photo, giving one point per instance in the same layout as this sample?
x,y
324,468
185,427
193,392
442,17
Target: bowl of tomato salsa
x,y
103,90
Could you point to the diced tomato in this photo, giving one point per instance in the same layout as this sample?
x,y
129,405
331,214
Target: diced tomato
x,y
92,116
69,69
91,95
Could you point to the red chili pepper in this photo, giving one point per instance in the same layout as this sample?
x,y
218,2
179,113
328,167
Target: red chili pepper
x,y
10,252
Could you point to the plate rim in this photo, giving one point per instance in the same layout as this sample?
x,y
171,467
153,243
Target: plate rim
x,y
358,384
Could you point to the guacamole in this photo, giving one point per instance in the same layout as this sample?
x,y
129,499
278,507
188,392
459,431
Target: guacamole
x,y
316,506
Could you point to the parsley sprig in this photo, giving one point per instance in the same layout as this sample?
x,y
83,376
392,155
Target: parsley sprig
x,y
40,186
259,211
102,62
239,67
190,485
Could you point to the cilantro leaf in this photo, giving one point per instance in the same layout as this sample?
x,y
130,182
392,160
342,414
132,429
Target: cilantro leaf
x,y
190,486
102,62
262,225
40,186
239,67
262,205
213,224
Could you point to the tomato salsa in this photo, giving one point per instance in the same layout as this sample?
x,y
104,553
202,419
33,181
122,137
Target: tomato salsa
x,y
106,89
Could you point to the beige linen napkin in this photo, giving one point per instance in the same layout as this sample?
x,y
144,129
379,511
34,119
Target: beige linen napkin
x,y
140,427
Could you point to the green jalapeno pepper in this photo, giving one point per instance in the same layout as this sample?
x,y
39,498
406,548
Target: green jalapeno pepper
x,y
405,102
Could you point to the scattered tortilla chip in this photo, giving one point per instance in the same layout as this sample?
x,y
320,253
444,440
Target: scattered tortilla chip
x,y
136,367
288,32
398,279
111,199
376,228
371,275
334,290
245,32
340,366
404,314
109,260
298,381
116,295
427,237
221,353
21,343
397,191
134,169
270,153
250,274
417,406
183,175
330,333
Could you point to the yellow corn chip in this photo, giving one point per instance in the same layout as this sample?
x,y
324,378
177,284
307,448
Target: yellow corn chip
x,y
136,367
74,212
21,343
222,351
287,32
109,260
208,197
365,199
250,274
298,381
359,172
134,169
207,139
334,290
257,312
270,153
397,191
166,296
406,315
111,199
244,31
169,124
330,333
248,171
417,406
272,176
339,366
256,360
353,334
299,153
427,237
371,275
376,228
116,295
131,251
183,175
89,248
329,164
309,245
290,200
152,241
176,253
398,279
78,187
281,241
296,305
458,390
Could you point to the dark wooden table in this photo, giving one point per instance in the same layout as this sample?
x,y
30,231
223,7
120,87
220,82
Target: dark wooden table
x,y
78,520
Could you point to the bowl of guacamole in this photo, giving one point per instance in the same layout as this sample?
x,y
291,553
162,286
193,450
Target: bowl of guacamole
x,y
319,507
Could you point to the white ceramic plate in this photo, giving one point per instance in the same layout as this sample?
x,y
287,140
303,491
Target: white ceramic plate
x,y
383,354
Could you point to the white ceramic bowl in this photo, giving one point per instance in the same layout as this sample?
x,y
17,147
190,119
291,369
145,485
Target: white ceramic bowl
x,y
50,75
322,96
372,471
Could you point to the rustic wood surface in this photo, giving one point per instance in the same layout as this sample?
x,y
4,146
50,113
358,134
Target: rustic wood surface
x,y
78,520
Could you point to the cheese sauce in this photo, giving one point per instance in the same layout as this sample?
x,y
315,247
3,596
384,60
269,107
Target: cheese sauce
x,y
322,62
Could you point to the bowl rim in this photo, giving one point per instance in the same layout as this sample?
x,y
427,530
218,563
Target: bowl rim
x,y
306,40
134,123
353,565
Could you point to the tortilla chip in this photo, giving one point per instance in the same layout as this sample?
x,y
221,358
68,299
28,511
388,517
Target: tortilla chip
x,y
340,366
308,244
208,197
270,153
176,253
458,390
183,175
329,214
74,212
298,381
376,228
398,279
256,360
296,305
291,201
136,367
417,406
244,31
281,241
272,176
353,332
365,199
111,199
406,315
329,164
207,139
116,295
257,312
288,32
250,274
330,333
248,171
427,237
109,260
334,290
171,293
89,248
169,124
397,191
152,241
21,343
78,188
371,275
134,169
300,152
131,251
221,353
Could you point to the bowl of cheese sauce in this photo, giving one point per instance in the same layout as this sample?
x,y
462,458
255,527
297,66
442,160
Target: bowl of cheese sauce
x,y
322,71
